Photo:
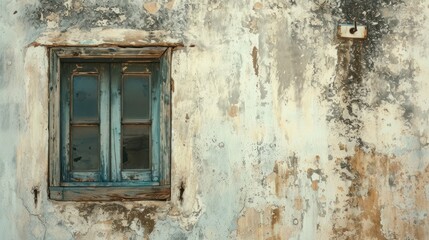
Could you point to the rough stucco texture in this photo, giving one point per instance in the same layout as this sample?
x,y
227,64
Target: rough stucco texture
x,y
280,129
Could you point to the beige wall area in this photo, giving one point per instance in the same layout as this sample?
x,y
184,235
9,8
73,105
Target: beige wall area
x,y
280,129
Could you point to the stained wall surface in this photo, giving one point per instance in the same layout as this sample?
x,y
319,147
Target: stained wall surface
x,y
281,130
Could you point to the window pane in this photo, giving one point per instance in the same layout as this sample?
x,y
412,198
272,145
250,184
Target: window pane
x,y
136,97
85,98
85,148
135,147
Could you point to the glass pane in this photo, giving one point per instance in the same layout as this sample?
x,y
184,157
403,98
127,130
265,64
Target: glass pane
x,y
85,98
85,152
135,147
136,98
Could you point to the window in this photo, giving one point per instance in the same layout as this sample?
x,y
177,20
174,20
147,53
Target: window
x,y
109,123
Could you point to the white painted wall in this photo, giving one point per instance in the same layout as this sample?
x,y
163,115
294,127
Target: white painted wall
x,y
280,129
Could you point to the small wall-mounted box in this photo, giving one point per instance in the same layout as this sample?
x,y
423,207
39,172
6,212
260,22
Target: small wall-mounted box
x,y
352,31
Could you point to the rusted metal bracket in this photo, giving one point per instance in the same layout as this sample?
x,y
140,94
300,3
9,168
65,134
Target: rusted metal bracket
x,y
352,31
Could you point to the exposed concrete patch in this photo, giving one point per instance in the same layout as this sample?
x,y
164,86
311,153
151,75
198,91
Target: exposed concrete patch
x,y
169,5
258,6
86,15
127,220
152,7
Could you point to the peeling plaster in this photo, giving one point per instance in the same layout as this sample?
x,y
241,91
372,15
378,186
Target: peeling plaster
x,y
280,129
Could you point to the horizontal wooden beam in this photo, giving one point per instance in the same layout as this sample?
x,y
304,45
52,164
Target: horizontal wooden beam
x,y
109,193
109,52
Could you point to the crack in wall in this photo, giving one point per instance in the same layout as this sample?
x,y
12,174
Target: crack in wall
x,y
38,216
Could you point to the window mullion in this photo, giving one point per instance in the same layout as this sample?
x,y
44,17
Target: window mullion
x,y
155,127
115,131
165,117
66,74
104,109
54,121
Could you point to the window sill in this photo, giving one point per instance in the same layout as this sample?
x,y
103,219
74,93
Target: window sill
x,y
109,193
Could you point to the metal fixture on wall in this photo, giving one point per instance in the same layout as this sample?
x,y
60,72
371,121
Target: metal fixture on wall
x,y
353,31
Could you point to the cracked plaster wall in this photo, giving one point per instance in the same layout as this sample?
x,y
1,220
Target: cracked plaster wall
x,y
280,130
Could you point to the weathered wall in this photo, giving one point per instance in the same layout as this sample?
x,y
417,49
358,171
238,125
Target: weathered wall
x,y
280,130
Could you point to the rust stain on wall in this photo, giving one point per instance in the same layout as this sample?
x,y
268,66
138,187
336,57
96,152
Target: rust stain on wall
x,y
420,229
233,111
255,60
275,217
315,185
298,203
280,177
364,207
361,199
263,224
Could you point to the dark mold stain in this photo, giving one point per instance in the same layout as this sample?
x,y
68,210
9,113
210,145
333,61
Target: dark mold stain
x,y
392,180
349,94
181,191
368,12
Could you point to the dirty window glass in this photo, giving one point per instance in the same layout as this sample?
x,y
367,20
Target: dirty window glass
x,y
135,147
85,154
136,97
85,98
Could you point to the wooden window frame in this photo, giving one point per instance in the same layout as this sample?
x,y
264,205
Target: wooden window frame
x,y
113,189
